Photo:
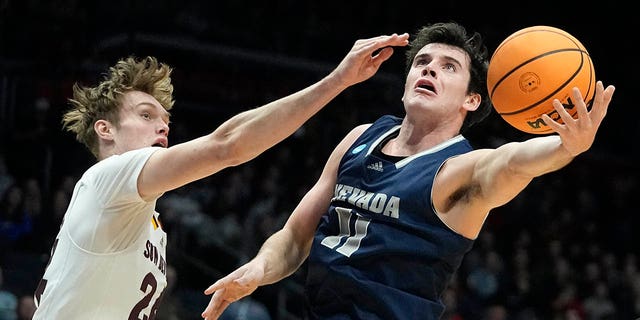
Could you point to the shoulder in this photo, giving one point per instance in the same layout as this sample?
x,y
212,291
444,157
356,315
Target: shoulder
x,y
382,123
130,161
389,120
466,159
136,155
368,130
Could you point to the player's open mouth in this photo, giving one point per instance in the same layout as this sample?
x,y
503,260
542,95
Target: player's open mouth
x,y
161,142
426,85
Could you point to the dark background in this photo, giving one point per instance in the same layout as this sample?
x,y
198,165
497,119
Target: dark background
x,y
229,56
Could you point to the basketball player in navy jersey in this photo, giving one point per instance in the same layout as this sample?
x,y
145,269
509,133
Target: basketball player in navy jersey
x,y
109,258
401,201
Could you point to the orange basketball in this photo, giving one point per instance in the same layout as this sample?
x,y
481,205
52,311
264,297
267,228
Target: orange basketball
x,y
531,68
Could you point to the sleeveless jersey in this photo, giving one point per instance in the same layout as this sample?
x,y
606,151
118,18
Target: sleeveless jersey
x,y
381,252
108,260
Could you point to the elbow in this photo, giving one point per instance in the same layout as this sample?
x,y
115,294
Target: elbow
x,y
233,155
299,247
225,150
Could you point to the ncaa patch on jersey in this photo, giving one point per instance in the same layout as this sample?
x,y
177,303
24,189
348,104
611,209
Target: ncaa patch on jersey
x,y
358,148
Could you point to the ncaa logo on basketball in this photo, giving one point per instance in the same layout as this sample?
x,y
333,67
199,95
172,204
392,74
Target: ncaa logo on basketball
x,y
567,104
529,82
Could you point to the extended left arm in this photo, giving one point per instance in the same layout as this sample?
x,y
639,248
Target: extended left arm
x,y
468,186
504,172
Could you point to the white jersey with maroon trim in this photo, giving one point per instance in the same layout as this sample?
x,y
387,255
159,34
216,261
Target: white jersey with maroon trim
x,y
108,260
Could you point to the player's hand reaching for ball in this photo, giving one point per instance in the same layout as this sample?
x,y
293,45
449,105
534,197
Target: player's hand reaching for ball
x,y
578,134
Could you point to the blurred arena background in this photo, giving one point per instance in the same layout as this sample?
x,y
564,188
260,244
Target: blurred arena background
x,y
567,248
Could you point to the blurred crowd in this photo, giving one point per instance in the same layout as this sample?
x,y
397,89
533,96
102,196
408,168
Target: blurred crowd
x,y
566,248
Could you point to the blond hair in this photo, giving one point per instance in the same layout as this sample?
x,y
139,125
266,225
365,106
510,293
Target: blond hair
x,y
90,104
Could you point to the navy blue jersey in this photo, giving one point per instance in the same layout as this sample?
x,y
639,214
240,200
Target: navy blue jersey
x,y
381,252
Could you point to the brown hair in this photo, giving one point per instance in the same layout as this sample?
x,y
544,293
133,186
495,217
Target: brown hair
x,y
90,104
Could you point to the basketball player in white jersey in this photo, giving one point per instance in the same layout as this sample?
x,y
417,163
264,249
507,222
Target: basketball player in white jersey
x,y
108,260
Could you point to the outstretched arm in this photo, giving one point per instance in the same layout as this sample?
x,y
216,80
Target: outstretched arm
x,y
535,157
248,134
283,252
470,185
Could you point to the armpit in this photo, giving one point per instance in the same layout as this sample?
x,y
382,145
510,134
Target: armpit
x,y
463,194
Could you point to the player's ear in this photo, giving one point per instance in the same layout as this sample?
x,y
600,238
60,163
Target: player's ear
x,y
472,101
103,129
